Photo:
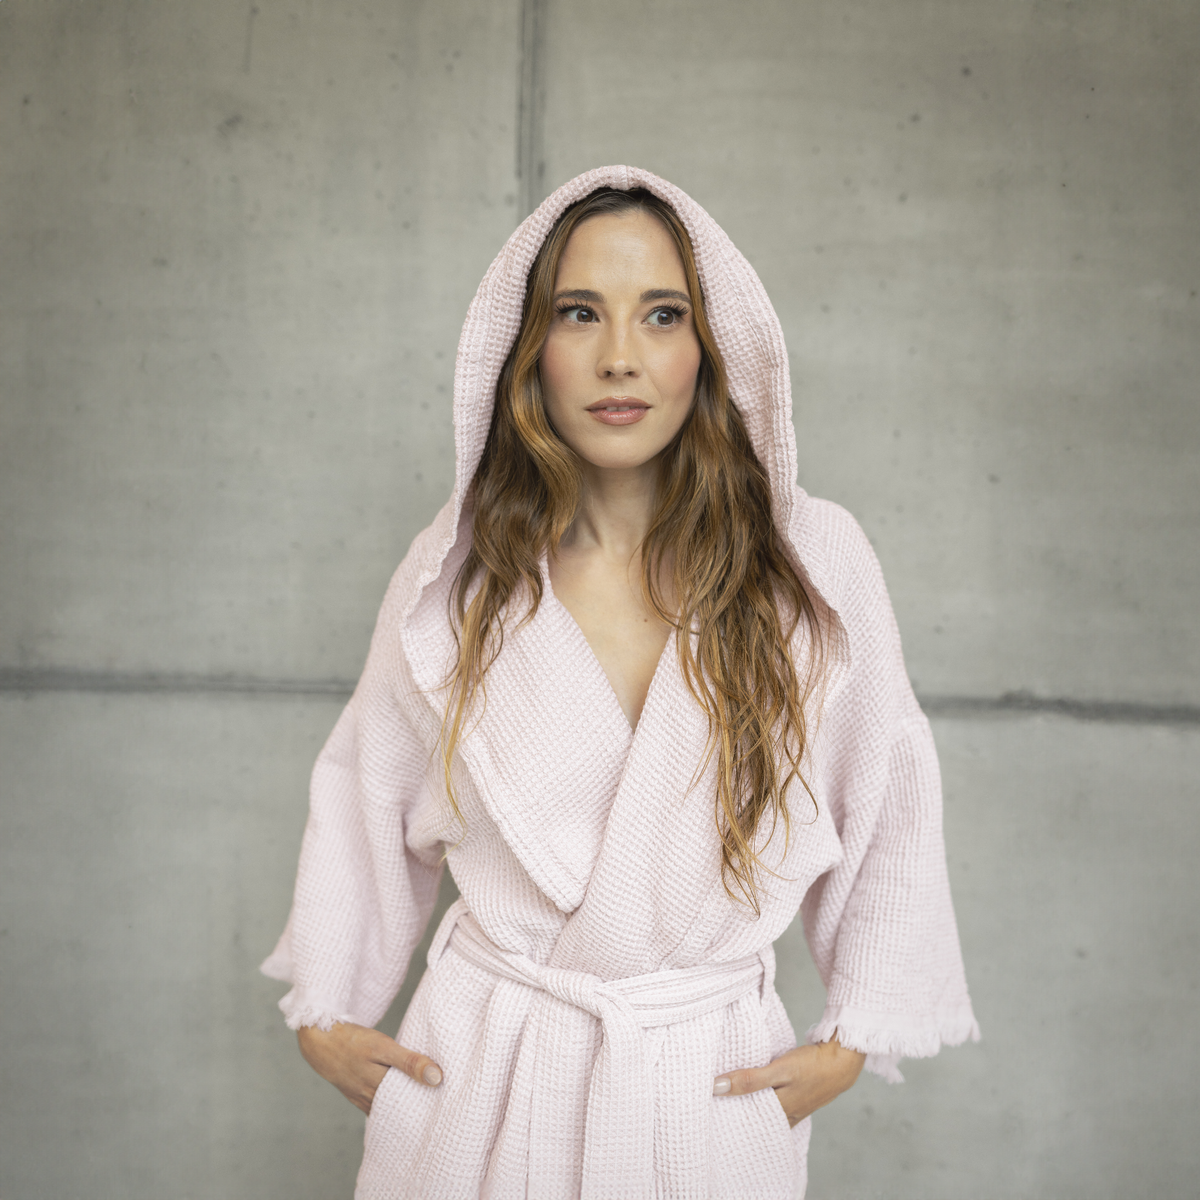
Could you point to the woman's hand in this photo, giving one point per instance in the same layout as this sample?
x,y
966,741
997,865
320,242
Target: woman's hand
x,y
355,1059
804,1079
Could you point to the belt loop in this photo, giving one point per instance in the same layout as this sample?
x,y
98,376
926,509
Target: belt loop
x,y
767,957
441,939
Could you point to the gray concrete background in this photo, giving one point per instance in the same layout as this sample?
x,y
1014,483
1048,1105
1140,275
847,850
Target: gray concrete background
x,y
236,245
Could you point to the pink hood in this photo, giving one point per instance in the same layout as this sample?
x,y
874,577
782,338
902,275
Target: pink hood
x,y
747,331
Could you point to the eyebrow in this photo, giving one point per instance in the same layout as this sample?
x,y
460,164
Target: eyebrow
x,y
585,294
588,296
665,294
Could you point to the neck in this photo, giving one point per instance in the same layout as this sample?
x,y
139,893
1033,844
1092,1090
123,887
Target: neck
x,y
615,511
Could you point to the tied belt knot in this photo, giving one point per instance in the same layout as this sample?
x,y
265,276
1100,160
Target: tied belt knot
x,y
618,1158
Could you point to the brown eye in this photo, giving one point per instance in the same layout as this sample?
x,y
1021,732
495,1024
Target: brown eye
x,y
577,315
664,317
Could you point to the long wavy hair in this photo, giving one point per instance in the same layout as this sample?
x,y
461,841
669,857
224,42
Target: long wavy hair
x,y
738,604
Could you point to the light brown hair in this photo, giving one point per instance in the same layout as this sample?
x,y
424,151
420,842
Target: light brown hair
x,y
735,589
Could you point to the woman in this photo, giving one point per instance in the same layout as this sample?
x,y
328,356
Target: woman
x,y
646,698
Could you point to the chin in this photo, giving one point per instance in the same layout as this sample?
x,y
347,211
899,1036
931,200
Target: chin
x,y
617,458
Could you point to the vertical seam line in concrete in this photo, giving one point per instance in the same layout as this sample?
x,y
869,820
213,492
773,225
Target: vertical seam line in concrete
x,y
531,103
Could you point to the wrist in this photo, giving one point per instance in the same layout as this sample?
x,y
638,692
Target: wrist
x,y
844,1063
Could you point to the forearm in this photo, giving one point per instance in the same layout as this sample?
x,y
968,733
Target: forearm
x,y
804,1079
355,1059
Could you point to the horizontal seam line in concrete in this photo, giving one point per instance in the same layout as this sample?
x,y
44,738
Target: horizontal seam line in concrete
x,y
57,679
1127,712
54,679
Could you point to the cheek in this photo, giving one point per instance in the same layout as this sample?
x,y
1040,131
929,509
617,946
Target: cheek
x,y
558,369
677,370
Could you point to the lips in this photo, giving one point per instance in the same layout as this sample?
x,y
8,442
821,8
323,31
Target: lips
x,y
619,410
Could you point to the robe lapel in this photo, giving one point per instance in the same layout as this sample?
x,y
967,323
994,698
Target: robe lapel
x,y
656,899
659,858
545,755
589,808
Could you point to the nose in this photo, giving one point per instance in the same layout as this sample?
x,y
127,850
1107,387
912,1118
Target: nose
x,y
618,356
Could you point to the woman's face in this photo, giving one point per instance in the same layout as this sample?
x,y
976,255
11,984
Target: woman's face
x,y
619,364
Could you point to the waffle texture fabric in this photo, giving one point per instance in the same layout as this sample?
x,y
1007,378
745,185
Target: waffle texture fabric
x,y
595,975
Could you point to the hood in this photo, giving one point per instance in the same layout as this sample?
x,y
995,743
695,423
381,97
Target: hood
x,y
746,329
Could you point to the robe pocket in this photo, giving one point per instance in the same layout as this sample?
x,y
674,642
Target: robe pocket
x,y
776,1119
382,1102
780,1157
751,1150
399,1114
384,1150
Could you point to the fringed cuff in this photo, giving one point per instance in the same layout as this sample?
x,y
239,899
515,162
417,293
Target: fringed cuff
x,y
885,1038
300,1011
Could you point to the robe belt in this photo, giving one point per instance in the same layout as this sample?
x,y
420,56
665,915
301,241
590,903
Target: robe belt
x,y
618,1156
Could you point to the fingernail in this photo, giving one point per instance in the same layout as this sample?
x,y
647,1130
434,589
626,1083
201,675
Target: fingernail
x,y
432,1075
722,1086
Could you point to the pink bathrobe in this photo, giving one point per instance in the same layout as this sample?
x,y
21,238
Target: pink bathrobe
x,y
595,976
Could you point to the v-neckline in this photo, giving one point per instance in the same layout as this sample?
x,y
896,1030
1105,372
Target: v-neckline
x,y
614,699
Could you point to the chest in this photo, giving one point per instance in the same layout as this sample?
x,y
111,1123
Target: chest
x,y
626,636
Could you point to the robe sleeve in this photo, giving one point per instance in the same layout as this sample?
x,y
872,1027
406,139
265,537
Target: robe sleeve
x,y
363,896
881,923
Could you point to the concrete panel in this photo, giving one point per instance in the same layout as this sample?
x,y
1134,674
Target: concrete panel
x,y
977,223
1072,852
148,852
239,243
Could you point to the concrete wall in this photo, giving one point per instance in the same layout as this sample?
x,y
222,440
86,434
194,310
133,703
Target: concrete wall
x,y
237,244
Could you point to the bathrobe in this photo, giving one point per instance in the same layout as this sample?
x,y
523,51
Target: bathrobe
x,y
596,975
